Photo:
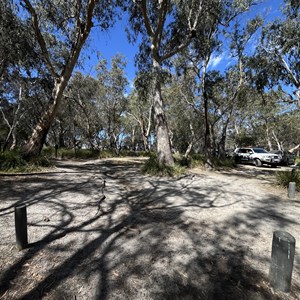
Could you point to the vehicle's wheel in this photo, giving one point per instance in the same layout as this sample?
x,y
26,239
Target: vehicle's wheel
x,y
257,162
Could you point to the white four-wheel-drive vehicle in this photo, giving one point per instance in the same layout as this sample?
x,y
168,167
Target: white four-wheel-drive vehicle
x,y
257,156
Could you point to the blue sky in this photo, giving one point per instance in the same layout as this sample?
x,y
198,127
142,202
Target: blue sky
x,y
115,41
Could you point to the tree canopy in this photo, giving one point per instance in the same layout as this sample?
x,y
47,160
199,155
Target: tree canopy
x,y
180,101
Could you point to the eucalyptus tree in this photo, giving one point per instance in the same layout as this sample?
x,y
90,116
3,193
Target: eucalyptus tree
x,y
140,109
17,52
184,110
166,27
208,44
111,98
278,56
81,110
61,29
17,60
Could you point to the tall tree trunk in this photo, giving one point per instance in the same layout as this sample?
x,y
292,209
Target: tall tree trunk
x,y
222,143
133,139
268,137
191,143
207,143
35,144
162,134
146,131
279,145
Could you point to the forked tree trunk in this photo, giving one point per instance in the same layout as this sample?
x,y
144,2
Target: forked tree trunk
x,y
162,134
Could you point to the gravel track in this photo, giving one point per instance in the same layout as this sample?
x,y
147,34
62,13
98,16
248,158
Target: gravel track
x,y
206,235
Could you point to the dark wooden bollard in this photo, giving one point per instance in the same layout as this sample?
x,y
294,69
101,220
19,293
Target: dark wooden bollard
x,y
21,226
292,190
283,251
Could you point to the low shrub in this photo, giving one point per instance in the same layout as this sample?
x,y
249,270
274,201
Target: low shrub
x,y
193,161
153,168
87,153
70,153
226,163
107,154
283,178
199,160
48,152
124,153
13,162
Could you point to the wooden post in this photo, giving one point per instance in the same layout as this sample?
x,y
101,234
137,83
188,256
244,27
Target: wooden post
x,y
21,227
282,259
292,190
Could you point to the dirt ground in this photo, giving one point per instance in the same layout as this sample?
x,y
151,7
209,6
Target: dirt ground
x,y
207,235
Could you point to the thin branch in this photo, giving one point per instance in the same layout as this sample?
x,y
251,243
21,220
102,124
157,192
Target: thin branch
x,y
162,12
146,18
40,37
191,104
149,120
81,37
4,118
286,66
77,13
134,117
197,16
178,48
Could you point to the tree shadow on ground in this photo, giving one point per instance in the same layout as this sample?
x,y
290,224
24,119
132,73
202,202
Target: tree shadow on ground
x,y
152,241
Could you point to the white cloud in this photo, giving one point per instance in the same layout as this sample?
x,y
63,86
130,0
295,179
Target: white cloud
x,y
216,60
131,84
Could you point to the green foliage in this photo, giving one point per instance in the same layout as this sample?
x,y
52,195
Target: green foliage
x,y
107,154
285,177
297,161
245,140
124,153
153,168
193,161
199,160
226,163
69,153
13,162
48,152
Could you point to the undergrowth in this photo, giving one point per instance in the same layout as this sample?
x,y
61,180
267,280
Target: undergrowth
x,y
153,168
285,177
182,163
69,153
199,160
13,162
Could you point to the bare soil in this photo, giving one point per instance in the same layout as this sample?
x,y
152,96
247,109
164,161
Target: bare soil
x,y
206,235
